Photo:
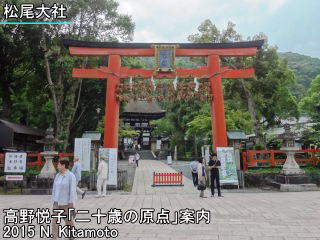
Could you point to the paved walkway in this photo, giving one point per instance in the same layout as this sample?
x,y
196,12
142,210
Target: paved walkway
x,y
238,216
143,180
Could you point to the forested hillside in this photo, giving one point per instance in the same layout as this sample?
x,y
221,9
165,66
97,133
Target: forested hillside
x,y
305,68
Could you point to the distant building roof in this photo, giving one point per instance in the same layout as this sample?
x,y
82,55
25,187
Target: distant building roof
x,y
142,108
22,129
93,135
236,134
297,126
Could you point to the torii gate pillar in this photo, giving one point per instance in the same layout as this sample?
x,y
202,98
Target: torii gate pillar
x,y
111,122
219,130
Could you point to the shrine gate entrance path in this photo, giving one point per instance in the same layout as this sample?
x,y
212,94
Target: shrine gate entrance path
x,y
237,216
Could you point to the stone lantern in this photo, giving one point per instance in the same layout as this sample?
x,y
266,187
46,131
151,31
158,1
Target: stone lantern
x,y
49,142
292,178
290,166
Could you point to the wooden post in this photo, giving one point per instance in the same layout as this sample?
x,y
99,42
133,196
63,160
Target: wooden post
x,y
273,164
314,159
39,161
244,161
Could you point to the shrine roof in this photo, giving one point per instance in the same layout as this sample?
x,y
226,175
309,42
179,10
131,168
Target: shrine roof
x,y
22,129
142,108
236,134
88,44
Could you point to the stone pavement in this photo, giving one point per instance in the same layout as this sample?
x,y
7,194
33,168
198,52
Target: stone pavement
x,y
143,180
252,216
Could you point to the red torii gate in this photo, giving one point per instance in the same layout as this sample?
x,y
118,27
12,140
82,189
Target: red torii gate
x,y
114,72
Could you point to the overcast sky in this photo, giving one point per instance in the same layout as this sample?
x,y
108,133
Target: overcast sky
x,y
292,25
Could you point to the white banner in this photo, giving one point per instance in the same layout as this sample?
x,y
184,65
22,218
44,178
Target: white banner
x,y
228,171
15,162
82,149
111,155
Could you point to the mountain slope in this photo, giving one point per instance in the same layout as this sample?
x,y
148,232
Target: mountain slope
x,y
305,68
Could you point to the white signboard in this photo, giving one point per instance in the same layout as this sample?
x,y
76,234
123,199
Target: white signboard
x,y
228,171
158,144
15,162
82,150
14,177
111,155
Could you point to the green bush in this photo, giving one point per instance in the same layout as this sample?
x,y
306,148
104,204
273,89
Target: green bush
x,y
85,173
32,171
259,147
264,170
312,169
127,188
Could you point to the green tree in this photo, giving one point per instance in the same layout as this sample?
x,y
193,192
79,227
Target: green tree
x,y
98,20
310,105
36,68
267,97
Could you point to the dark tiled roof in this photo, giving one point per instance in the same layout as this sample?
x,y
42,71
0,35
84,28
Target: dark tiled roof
x,y
18,128
78,43
141,106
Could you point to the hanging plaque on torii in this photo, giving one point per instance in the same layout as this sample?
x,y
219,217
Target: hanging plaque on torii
x,y
163,70
164,58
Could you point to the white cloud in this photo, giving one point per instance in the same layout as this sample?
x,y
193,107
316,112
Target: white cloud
x,y
174,20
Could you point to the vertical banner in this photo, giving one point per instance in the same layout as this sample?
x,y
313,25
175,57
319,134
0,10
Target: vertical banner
x,y
111,155
82,149
228,171
158,144
15,162
207,153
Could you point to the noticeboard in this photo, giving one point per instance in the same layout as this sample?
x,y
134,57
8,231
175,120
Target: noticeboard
x,y
228,171
15,162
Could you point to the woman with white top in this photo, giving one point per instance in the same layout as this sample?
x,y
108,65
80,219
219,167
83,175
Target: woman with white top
x,y
102,177
64,195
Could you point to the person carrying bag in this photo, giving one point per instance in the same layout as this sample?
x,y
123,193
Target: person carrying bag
x,y
202,177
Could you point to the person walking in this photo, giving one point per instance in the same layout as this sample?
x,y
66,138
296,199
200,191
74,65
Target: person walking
x,y
102,177
64,195
136,158
194,172
201,177
214,165
76,170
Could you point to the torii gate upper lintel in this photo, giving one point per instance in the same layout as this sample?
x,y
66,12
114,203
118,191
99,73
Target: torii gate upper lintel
x,y
114,72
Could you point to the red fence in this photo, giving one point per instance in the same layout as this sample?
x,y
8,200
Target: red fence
x,y
167,179
37,160
273,158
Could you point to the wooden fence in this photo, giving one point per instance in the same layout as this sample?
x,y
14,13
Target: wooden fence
x,y
273,158
167,179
